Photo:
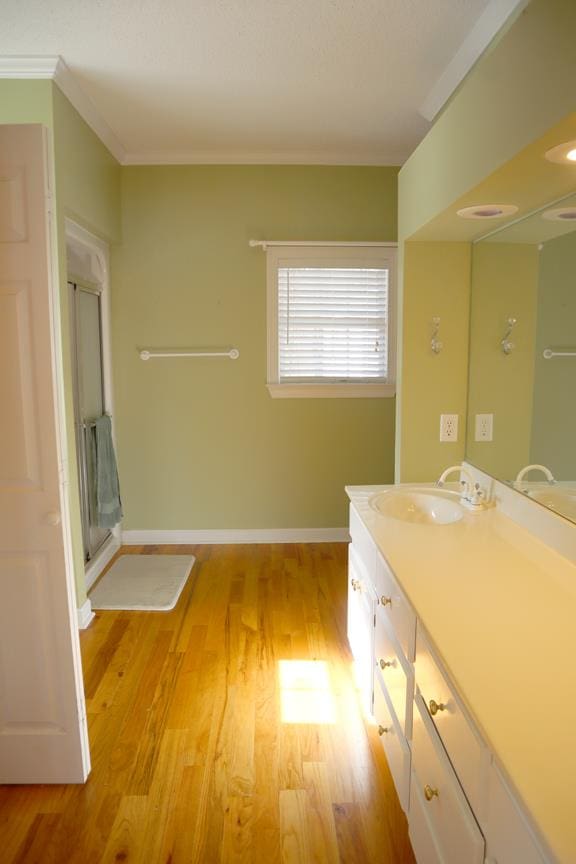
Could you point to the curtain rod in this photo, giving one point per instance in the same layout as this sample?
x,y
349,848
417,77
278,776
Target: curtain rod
x,y
265,243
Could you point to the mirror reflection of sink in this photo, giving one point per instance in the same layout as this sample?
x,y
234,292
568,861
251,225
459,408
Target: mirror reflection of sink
x,y
562,501
420,505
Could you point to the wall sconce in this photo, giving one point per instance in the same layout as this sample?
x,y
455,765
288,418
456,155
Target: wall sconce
x,y
435,343
506,345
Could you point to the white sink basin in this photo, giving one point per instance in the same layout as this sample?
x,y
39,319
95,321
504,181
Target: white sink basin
x,y
423,506
562,501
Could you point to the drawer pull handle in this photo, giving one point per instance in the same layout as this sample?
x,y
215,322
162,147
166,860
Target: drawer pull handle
x,y
435,707
383,730
386,601
430,793
355,585
385,663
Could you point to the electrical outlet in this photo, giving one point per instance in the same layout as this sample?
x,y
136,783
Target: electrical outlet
x,y
449,427
484,427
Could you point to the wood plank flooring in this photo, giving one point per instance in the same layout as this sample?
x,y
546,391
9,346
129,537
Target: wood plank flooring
x,y
191,760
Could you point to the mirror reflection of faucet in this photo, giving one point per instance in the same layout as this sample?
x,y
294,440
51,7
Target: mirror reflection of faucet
x,y
472,496
524,471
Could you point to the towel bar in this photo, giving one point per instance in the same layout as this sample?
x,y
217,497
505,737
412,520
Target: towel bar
x,y
549,353
232,353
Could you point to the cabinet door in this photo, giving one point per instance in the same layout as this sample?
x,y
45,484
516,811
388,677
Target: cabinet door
x,y
361,626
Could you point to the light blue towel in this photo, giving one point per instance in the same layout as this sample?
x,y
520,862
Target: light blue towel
x,y
109,506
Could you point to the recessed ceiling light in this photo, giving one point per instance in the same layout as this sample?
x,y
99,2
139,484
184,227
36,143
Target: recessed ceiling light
x,y
560,214
563,153
487,211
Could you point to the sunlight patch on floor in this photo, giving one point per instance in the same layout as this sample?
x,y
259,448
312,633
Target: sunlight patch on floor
x,y
306,692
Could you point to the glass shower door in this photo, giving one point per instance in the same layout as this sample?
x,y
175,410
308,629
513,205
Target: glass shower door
x,y
89,404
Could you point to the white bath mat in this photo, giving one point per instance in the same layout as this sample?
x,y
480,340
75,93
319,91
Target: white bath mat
x,y
144,582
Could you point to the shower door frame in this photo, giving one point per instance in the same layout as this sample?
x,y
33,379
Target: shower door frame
x,y
96,250
83,428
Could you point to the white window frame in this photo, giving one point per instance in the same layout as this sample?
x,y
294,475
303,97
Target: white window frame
x,y
328,255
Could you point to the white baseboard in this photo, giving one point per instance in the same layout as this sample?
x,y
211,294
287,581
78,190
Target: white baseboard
x,y
101,559
85,615
239,535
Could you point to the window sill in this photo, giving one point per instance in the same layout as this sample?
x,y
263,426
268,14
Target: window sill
x,y
331,391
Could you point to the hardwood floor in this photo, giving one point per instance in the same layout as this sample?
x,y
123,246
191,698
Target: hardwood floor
x,y
191,759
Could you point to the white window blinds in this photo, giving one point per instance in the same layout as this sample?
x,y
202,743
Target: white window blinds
x,y
333,323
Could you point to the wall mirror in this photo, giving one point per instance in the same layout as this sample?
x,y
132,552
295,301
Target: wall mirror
x,y
522,387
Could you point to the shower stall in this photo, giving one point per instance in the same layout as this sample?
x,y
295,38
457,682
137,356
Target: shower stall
x,y
89,400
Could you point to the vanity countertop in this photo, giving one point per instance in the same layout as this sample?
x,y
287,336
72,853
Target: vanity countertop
x,y
500,607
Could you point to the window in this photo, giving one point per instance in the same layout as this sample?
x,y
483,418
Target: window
x,y
331,321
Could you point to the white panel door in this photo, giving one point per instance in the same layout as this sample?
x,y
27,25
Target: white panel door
x,y
42,714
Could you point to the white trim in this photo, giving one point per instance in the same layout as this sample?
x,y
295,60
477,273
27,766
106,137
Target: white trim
x,y
492,19
76,235
103,557
85,615
99,249
331,391
28,66
281,157
54,68
218,536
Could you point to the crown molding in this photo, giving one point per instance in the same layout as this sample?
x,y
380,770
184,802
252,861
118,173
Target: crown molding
x,y
55,69
28,67
496,14
242,157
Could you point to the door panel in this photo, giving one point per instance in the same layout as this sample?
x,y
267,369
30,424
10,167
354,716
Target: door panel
x,y
42,715
19,456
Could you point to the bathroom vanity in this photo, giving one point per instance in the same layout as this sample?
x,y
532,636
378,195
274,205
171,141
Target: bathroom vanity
x,y
461,635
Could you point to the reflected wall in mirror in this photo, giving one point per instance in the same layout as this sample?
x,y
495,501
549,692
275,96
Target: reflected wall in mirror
x,y
526,272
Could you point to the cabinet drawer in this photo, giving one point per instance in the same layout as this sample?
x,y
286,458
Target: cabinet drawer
x,y
396,673
420,830
461,740
509,839
448,814
362,541
394,744
395,607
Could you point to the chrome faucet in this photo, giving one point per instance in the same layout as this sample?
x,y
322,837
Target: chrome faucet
x,y
546,471
471,495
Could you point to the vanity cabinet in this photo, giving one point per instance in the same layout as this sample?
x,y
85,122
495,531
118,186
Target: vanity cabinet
x,y
384,651
460,809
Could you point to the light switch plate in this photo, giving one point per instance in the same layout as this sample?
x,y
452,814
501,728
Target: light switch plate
x,y
449,427
484,427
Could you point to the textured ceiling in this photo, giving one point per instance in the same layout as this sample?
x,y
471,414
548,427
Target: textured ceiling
x,y
308,80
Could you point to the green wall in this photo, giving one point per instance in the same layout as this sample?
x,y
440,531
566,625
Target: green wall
x,y
554,426
436,284
504,285
25,101
521,86
201,442
87,183
87,189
